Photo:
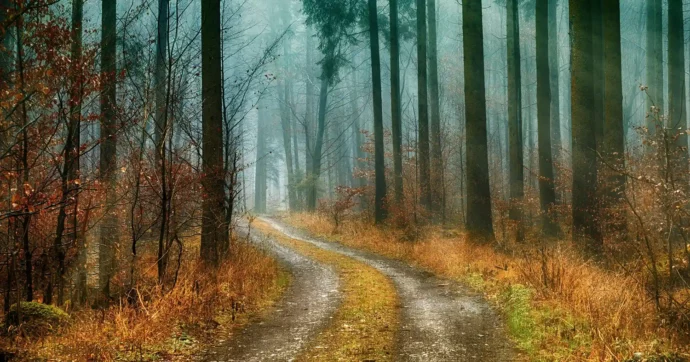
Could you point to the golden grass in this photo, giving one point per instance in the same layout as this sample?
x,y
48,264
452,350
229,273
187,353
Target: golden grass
x,y
365,326
585,313
173,326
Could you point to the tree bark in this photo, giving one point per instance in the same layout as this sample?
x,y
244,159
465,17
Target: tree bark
x,y
261,154
479,219
438,198
396,107
554,72
423,101
108,155
515,146
547,191
677,116
614,130
655,71
318,146
213,182
379,157
585,211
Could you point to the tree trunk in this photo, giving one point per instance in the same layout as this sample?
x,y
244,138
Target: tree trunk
x,y
597,110
585,211
438,198
677,118
318,146
614,130
261,154
547,190
379,157
108,155
285,116
160,79
655,70
396,107
516,166
479,219
213,213
554,72
423,137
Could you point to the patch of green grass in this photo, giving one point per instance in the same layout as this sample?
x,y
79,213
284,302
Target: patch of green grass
x,y
534,327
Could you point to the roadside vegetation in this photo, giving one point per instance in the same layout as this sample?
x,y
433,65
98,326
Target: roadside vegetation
x,y
152,324
557,306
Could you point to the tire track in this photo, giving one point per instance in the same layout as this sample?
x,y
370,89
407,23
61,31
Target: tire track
x,y
441,319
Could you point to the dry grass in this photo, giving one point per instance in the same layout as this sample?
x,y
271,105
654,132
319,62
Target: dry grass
x,y
364,327
171,326
557,306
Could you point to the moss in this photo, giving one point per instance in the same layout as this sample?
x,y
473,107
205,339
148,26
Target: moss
x,y
36,318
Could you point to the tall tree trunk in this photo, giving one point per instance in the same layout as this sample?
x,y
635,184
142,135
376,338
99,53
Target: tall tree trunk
x,y
547,190
261,164
597,111
655,70
213,213
162,130
585,210
69,184
396,106
554,72
357,133
379,157
160,78
479,219
438,198
285,116
23,164
614,130
423,101
108,156
318,146
677,116
516,166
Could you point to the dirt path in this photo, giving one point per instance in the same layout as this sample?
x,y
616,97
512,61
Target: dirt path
x,y
305,308
441,320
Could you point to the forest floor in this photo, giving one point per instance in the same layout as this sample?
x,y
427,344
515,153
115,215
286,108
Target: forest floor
x,y
388,310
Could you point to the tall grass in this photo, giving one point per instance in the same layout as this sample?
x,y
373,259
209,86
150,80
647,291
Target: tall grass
x,y
557,306
170,325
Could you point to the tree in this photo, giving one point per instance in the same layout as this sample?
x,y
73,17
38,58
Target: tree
x,y
677,116
285,115
379,157
396,107
108,157
585,210
517,183
547,190
68,178
655,71
614,130
261,155
554,71
597,110
423,106
479,220
213,182
438,203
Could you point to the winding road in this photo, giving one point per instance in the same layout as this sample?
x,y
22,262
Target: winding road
x,y
440,321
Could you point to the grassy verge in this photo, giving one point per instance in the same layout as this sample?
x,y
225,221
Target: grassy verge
x,y
365,326
201,310
582,312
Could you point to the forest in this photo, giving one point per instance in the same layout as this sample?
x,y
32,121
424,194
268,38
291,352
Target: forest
x,y
344,180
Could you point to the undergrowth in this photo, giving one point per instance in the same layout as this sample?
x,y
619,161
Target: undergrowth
x,y
557,307
165,326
